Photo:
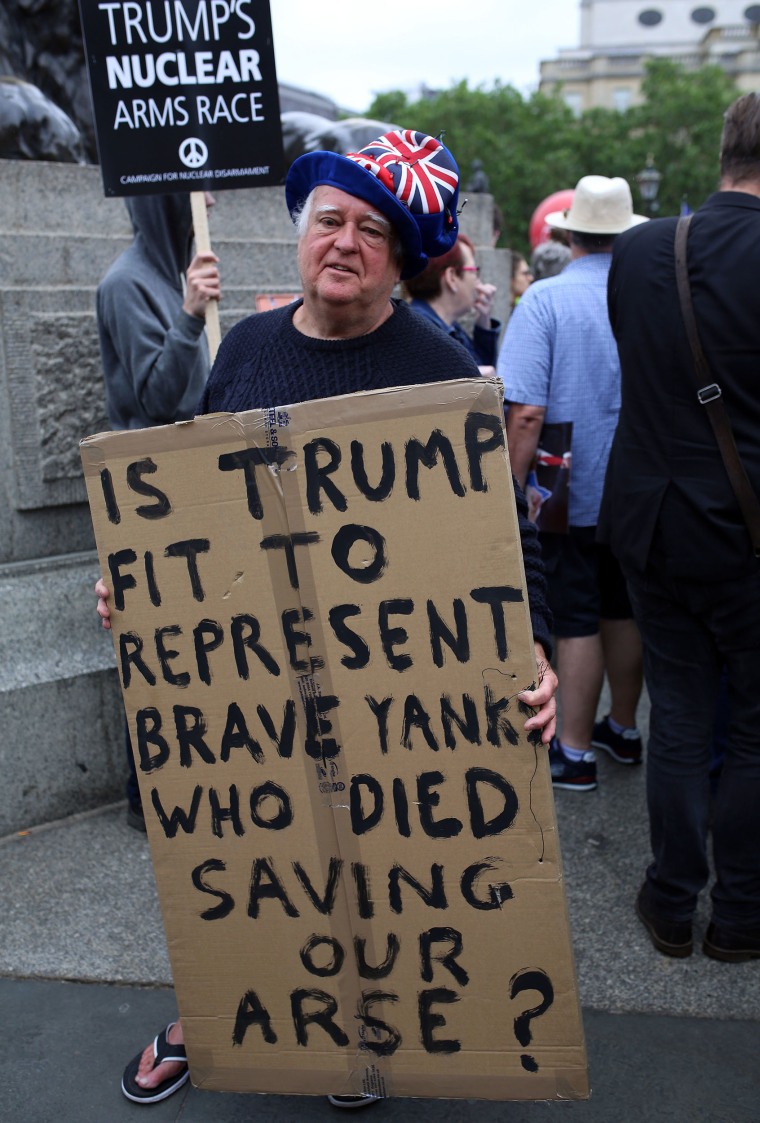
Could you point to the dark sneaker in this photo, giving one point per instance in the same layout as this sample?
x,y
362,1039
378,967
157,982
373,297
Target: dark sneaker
x,y
572,775
352,1101
623,747
670,937
135,817
730,946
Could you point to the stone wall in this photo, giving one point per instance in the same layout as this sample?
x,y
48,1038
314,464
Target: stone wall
x,y
61,737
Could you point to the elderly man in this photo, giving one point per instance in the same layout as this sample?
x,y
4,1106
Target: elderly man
x,y
559,364
364,221
670,512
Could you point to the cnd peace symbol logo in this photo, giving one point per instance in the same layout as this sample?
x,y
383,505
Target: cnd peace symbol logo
x,y
193,152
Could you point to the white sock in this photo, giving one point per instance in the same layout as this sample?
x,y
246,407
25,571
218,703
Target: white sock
x,y
572,754
617,728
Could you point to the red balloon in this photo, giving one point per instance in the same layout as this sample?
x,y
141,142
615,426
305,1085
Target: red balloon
x,y
538,231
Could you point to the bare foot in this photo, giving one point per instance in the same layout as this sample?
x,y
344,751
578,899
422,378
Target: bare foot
x,y
150,1077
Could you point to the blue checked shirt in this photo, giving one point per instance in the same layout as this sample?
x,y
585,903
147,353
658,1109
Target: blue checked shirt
x,y
559,352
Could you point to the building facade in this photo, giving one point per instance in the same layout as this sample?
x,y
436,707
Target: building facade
x,y
618,36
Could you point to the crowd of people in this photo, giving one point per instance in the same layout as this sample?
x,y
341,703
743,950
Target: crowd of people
x,y
656,567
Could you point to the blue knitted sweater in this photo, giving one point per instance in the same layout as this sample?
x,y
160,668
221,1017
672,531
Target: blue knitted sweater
x,y
265,361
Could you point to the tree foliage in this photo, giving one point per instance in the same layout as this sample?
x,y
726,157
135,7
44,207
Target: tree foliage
x,y
680,124
531,147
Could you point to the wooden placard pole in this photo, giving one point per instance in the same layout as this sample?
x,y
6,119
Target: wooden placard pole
x,y
203,245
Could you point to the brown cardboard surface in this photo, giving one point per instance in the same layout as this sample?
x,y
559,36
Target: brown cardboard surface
x,y
321,625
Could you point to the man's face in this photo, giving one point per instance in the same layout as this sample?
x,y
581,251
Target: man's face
x,y
346,254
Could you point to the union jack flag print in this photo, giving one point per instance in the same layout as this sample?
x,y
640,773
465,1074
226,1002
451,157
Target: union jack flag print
x,y
415,167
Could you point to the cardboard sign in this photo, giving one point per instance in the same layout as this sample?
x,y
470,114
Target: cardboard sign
x,y
321,627
184,94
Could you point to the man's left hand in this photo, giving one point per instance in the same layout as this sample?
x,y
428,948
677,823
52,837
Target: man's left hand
x,y
543,699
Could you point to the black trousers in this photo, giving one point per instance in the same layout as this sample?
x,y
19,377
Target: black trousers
x,y
690,631
132,786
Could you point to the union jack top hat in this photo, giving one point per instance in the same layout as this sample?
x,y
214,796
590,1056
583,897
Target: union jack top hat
x,y
411,178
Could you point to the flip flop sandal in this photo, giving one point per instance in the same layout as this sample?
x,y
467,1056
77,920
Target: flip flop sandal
x,y
162,1051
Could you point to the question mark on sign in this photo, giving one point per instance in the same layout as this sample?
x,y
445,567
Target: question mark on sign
x,y
530,979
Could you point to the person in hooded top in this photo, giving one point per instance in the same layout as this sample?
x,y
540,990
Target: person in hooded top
x,y
151,312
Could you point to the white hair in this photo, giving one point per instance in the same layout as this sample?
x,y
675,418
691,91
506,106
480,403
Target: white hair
x,y
302,213
301,216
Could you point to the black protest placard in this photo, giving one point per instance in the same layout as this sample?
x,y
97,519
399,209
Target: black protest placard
x,y
321,630
184,94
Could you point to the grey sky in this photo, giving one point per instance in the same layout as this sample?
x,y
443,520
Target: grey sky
x,y
351,49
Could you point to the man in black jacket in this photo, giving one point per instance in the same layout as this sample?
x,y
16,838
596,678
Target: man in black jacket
x,y
671,517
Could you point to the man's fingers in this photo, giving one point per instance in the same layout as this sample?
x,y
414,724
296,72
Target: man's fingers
x,y
544,719
542,699
102,593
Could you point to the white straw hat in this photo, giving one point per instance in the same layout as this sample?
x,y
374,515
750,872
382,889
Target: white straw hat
x,y
600,206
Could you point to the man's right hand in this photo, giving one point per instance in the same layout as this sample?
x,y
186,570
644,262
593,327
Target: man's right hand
x,y
102,593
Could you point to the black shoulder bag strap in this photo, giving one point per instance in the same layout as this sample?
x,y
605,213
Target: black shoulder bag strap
x,y
710,395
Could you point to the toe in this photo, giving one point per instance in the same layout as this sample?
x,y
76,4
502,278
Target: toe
x,y
149,1076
